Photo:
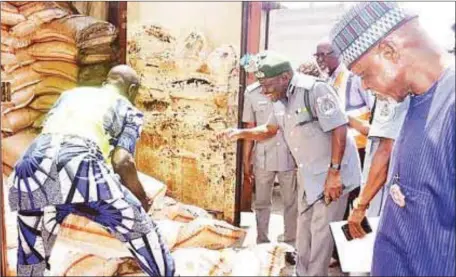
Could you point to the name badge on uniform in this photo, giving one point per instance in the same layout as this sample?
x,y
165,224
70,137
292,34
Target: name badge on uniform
x,y
396,193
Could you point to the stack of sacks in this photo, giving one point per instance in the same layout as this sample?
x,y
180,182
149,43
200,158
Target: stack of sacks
x,y
259,260
46,50
195,228
202,247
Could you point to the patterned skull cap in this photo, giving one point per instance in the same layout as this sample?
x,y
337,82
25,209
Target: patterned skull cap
x,y
364,25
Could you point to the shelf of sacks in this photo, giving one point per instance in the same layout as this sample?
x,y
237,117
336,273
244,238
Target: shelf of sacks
x,y
200,244
45,50
188,93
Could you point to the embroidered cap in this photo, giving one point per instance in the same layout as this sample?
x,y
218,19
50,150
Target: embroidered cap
x,y
364,25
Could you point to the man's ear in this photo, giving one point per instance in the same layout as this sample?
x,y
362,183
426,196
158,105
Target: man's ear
x,y
132,92
286,77
389,50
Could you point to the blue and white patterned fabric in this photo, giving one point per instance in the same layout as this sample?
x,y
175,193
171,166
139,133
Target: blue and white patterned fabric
x,y
363,26
68,162
66,170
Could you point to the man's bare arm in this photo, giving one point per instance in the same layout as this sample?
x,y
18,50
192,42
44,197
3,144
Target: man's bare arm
x,y
123,164
258,133
248,146
378,171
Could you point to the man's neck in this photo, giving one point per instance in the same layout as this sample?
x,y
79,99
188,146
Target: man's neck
x,y
333,69
115,89
425,72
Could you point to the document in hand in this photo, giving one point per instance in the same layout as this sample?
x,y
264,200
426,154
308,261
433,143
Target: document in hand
x,y
354,255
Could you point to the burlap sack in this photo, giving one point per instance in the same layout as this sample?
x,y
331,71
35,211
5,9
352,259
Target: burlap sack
x,y
7,58
44,34
10,14
33,7
54,51
12,41
53,85
202,262
44,103
35,20
18,3
86,31
208,233
17,120
22,98
21,59
14,147
6,170
173,210
66,70
71,263
23,77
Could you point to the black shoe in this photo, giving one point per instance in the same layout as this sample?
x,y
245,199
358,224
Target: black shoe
x,y
290,258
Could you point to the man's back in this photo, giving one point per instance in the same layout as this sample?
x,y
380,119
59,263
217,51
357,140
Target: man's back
x,y
85,112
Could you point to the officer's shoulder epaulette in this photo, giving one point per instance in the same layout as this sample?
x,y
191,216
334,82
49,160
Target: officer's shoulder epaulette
x,y
305,81
252,87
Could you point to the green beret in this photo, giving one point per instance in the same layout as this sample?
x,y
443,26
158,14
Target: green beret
x,y
271,64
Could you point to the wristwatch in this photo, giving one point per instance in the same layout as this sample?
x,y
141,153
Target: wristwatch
x,y
334,166
359,206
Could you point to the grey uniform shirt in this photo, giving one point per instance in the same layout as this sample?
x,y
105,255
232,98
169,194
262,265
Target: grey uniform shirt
x,y
310,141
387,123
271,154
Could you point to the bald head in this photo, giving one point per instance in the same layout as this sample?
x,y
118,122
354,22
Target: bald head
x,y
327,58
125,79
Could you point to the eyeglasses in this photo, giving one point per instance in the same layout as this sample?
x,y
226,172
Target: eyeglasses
x,y
322,54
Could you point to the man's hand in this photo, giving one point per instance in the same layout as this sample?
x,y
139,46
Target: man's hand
x,y
231,134
146,204
248,172
333,186
354,223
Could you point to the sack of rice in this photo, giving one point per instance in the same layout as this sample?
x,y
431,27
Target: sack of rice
x,y
10,14
129,267
6,170
271,257
66,262
7,58
89,237
12,41
208,233
44,103
202,262
65,70
21,98
53,51
85,30
169,208
45,34
35,20
170,231
23,77
21,58
33,7
19,119
14,147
